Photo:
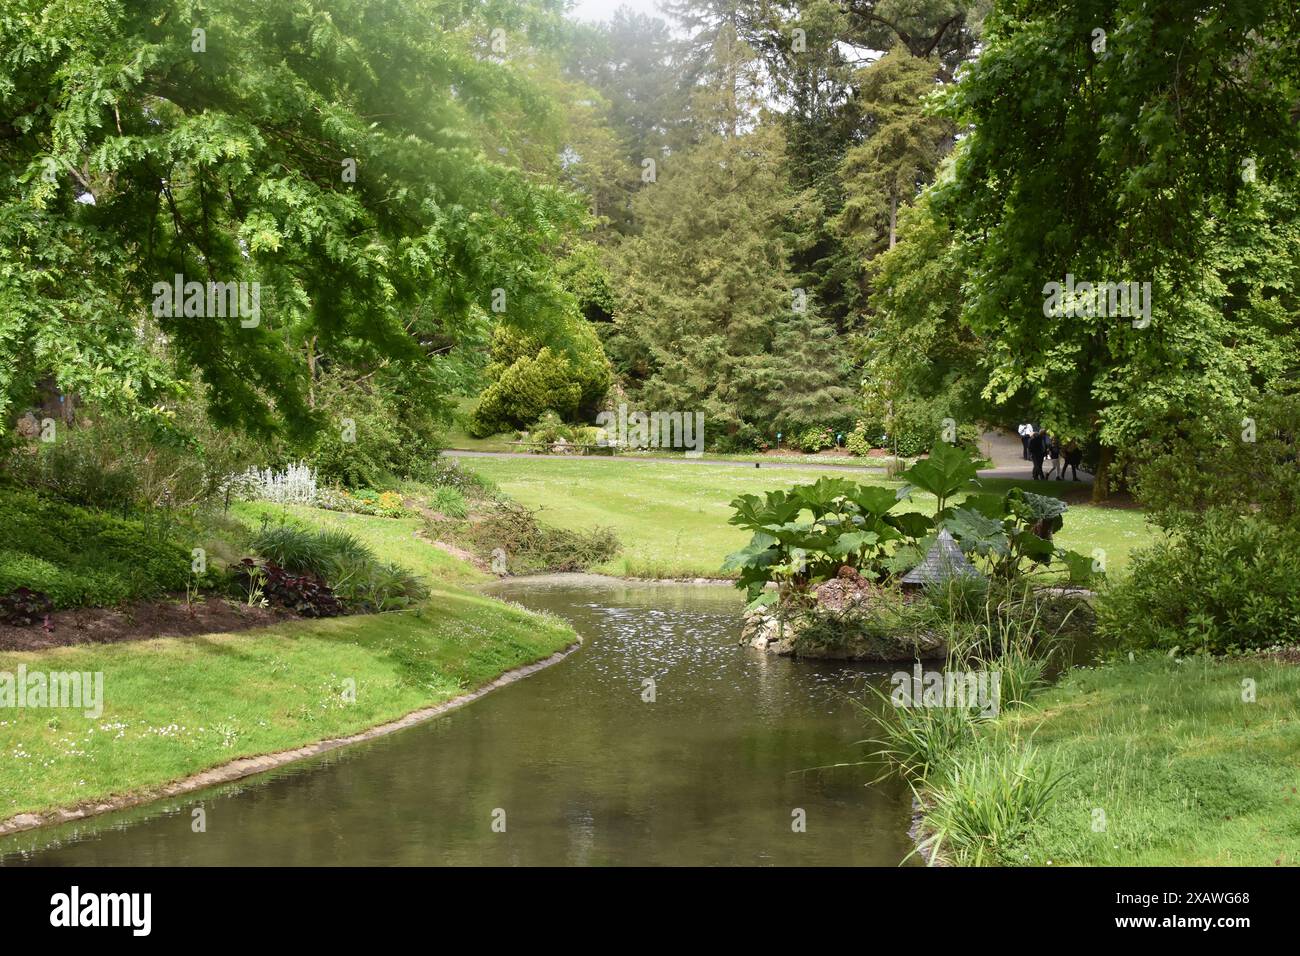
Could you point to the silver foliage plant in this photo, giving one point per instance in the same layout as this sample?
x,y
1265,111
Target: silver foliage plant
x,y
295,485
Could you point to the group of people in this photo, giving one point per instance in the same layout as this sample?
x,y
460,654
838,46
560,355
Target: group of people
x,y
1042,446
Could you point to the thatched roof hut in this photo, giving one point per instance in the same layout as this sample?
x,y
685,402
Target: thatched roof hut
x,y
944,561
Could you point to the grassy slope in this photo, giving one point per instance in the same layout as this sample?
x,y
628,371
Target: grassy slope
x,y
175,706
672,518
1185,770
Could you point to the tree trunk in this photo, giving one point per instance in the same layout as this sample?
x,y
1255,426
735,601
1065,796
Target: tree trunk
x,y
1101,480
893,221
311,372
53,402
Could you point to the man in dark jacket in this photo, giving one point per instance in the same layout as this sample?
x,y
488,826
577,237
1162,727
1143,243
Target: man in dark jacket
x,y
1037,452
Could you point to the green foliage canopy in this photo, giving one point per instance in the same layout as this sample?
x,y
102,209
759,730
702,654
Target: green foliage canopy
x,y
1161,152
140,140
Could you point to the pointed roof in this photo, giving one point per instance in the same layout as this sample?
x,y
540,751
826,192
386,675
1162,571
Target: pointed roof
x,y
944,561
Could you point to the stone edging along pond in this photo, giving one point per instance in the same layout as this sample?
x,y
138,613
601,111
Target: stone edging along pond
x,y
247,766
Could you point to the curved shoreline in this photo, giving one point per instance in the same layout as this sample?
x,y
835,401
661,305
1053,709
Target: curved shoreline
x,y
242,767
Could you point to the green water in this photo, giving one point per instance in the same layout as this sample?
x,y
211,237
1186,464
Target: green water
x,y
575,763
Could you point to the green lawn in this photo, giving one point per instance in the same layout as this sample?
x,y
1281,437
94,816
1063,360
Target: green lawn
x,y
457,437
672,518
175,706
1186,772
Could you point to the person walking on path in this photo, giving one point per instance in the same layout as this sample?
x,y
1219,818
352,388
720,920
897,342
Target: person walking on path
x,y
1037,452
1026,432
1073,458
1054,466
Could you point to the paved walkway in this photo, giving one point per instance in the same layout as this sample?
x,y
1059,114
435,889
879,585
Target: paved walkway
x,y
1003,449
1006,453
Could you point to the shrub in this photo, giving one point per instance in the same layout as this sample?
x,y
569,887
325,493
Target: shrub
x,y
295,549
377,586
739,438
530,387
67,586
388,436
23,606
528,377
908,440
1227,489
1229,584
296,484
303,594
363,501
343,564
339,545
589,434
550,429
1202,462
910,428
850,525
449,501
72,471
815,438
81,557
448,472
529,546
1013,535
864,437
116,464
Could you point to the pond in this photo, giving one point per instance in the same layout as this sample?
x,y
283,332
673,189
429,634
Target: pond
x,y
585,762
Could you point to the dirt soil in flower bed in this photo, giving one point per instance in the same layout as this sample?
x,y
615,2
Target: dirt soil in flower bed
x,y
137,622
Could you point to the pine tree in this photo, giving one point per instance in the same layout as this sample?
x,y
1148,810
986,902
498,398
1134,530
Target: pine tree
x,y
710,318
900,154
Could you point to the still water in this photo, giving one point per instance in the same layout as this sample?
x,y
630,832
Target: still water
x,y
576,763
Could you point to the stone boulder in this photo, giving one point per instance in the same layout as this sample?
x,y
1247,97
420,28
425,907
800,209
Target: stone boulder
x,y
839,604
28,425
764,630
847,590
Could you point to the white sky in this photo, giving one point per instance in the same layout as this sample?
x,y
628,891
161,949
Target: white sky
x,y
604,9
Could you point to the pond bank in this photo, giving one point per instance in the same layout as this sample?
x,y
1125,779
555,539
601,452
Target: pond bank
x,y
1163,762
247,766
661,743
209,708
